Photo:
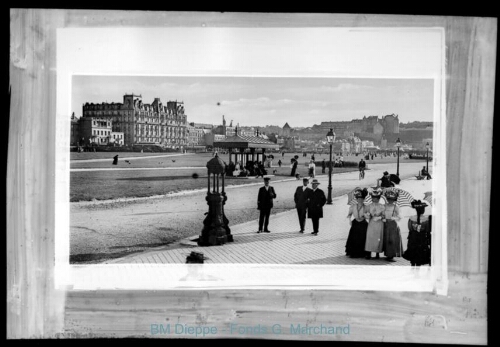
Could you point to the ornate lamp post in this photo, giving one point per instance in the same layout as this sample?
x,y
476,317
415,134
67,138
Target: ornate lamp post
x,y
398,144
330,138
215,226
427,146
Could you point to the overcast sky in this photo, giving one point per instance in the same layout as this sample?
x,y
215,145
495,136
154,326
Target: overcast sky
x,y
260,101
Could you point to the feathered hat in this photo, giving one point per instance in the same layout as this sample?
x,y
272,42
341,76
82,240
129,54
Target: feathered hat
x,y
376,192
360,193
391,194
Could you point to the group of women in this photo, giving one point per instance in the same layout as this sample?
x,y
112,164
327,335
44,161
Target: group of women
x,y
374,229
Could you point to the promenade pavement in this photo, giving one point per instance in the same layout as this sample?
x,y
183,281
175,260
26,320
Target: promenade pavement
x,y
285,245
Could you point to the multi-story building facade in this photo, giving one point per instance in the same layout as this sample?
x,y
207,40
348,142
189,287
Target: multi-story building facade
x,y
75,130
95,130
142,123
192,135
116,138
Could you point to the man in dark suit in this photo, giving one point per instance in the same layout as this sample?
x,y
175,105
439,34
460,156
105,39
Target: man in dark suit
x,y
315,202
265,204
300,198
385,181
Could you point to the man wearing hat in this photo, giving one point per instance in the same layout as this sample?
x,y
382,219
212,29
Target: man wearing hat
x,y
315,202
265,204
385,181
300,197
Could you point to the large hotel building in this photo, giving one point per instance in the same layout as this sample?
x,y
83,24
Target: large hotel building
x,y
140,123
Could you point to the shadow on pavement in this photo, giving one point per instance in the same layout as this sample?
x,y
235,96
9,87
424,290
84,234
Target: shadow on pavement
x,y
95,258
345,260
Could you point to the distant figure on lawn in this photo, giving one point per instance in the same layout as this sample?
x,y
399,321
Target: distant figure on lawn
x,y
294,167
312,169
115,160
279,163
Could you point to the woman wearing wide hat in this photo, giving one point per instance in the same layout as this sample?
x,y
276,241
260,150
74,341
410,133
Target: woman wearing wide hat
x,y
375,230
418,251
355,246
393,245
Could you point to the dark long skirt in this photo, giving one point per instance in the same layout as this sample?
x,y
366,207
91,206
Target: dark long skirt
x,y
355,246
418,251
393,245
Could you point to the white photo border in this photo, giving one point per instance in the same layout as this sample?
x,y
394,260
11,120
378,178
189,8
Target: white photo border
x,y
258,52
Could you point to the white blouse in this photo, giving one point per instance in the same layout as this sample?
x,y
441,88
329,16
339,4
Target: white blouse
x,y
357,211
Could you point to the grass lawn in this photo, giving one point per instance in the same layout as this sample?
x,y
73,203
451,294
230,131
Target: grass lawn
x,y
104,185
104,155
195,160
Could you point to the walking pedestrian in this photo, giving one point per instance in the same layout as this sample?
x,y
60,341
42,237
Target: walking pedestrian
x,y
418,251
362,167
300,197
265,204
315,203
355,245
393,245
279,163
294,167
312,169
323,166
375,229
115,160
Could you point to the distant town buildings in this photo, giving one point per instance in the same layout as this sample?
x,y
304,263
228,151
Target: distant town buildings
x,y
224,129
136,123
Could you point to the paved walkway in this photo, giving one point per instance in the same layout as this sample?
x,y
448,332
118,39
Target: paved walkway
x,y
285,245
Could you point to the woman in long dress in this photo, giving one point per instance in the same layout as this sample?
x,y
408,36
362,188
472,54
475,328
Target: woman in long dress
x,y
375,230
355,246
312,169
418,251
393,245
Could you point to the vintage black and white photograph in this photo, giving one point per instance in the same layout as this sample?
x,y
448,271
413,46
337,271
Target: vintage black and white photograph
x,y
264,154
251,170
281,176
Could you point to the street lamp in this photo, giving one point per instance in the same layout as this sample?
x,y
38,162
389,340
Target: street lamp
x,y
330,138
398,144
427,146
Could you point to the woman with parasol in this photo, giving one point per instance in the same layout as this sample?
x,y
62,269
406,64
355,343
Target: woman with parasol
x,y
393,245
375,229
355,246
418,251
